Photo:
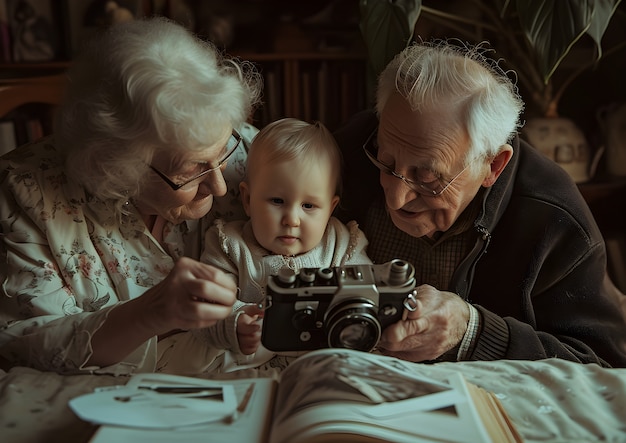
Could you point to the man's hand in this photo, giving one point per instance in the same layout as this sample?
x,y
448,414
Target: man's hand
x,y
437,325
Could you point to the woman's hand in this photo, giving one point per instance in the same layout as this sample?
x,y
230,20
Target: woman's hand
x,y
194,295
437,325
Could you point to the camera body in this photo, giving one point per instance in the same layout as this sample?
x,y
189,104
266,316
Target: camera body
x,y
339,307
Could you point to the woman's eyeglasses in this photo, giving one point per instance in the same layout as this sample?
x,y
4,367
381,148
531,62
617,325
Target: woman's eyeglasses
x,y
231,147
431,188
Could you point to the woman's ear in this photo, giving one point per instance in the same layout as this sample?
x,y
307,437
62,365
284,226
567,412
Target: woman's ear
x,y
497,165
245,197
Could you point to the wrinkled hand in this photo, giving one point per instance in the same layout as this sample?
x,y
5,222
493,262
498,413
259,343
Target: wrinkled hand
x,y
194,295
437,325
249,329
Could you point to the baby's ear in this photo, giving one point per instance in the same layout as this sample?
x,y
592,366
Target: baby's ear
x,y
245,197
334,202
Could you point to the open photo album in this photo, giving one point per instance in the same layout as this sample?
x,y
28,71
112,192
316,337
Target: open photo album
x,y
328,395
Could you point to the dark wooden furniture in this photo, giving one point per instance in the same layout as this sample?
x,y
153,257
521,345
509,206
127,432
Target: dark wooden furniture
x,y
46,90
607,200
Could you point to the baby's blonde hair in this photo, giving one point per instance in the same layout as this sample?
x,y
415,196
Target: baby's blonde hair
x,y
291,138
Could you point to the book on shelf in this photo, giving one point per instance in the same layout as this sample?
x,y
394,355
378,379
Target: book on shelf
x,y
5,34
323,92
328,395
20,127
8,141
274,100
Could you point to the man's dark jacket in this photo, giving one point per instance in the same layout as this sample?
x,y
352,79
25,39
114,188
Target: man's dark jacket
x,y
537,273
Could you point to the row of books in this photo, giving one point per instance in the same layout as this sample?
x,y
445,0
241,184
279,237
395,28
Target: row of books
x,y
326,90
19,129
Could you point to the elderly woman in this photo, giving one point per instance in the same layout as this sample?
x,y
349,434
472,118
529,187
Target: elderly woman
x,y
96,219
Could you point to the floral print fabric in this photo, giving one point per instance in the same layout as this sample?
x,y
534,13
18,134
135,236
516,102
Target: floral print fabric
x,y
64,260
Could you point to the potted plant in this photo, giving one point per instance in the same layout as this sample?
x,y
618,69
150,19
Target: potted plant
x,y
533,37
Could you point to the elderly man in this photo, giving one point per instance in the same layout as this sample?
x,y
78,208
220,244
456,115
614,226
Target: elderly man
x,y
510,262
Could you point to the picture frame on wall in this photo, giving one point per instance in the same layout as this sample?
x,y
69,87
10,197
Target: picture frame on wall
x,y
36,30
84,17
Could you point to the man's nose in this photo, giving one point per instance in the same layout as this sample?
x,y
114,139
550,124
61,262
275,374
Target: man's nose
x,y
397,193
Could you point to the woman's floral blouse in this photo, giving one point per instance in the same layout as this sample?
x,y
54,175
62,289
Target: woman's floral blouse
x,y
65,261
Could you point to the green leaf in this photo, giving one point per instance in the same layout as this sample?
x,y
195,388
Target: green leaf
x,y
602,14
552,27
387,28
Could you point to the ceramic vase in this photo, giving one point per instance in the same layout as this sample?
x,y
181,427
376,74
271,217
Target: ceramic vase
x,y
559,139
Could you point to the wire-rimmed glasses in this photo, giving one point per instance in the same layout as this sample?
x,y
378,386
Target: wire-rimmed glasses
x,y
430,189
231,147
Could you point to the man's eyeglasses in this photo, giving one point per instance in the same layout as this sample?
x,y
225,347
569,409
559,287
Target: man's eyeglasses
x,y
433,187
231,147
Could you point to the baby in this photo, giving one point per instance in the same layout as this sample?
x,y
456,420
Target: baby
x,y
291,188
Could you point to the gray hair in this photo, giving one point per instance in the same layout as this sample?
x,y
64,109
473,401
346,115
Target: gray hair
x,y
432,74
144,86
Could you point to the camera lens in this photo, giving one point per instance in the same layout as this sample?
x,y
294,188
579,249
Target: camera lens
x,y
353,325
356,335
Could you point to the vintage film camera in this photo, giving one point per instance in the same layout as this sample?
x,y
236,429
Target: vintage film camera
x,y
340,307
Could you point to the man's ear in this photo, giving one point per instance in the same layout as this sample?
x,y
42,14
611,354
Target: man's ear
x,y
245,197
497,165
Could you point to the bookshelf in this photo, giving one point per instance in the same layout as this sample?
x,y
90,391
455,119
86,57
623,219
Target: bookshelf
x,y
326,87
29,94
313,86
311,56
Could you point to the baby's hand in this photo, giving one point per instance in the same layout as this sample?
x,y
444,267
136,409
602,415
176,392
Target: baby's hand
x,y
249,329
